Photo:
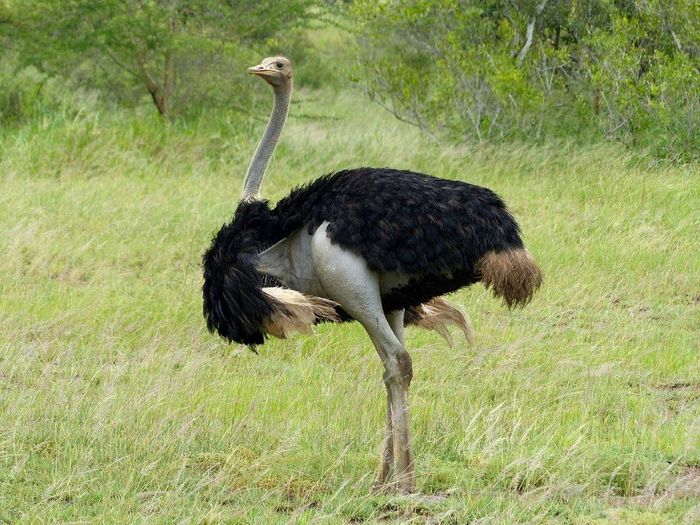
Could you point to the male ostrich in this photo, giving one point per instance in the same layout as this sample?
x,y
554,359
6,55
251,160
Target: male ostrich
x,y
367,244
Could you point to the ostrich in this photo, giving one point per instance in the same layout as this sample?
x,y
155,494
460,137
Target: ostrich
x,y
376,245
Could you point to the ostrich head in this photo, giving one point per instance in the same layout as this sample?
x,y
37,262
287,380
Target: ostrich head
x,y
276,71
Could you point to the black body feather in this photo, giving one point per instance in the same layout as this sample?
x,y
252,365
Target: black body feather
x,y
398,221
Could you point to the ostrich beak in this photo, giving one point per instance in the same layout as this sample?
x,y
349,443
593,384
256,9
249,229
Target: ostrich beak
x,y
260,70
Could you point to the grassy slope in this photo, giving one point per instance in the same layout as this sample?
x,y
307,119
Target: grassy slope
x,y
117,406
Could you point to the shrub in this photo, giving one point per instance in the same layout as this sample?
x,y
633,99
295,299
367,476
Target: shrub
x,y
529,70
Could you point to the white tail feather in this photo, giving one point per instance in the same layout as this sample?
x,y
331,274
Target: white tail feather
x,y
298,314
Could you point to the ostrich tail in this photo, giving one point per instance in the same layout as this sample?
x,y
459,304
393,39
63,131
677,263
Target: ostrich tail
x,y
293,312
511,274
437,314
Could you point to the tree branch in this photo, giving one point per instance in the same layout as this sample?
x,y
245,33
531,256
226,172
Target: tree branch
x,y
153,88
677,42
121,64
530,32
112,55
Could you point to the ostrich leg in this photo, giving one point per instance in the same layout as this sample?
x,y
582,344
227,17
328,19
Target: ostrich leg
x,y
346,279
395,320
386,468
399,415
397,378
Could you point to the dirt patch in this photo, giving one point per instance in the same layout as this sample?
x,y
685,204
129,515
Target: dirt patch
x,y
682,385
685,485
688,483
426,509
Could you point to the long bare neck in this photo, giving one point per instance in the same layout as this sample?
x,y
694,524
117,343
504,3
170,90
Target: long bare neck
x,y
268,142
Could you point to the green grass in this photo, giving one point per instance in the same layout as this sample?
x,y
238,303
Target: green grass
x,y
116,405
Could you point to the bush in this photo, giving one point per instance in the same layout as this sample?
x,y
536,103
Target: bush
x,y
27,93
526,70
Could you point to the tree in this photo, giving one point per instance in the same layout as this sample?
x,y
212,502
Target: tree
x,y
164,46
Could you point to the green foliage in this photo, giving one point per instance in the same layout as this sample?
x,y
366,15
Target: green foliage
x,y
19,91
528,70
184,53
27,93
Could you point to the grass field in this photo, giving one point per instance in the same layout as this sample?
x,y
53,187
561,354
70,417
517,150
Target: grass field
x,y
117,406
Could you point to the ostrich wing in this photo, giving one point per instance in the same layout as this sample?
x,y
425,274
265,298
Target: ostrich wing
x,y
289,261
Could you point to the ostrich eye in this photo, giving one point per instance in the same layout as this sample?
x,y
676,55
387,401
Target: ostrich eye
x,y
279,65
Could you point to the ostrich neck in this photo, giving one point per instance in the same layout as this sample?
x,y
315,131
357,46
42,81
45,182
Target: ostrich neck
x,y
268,142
